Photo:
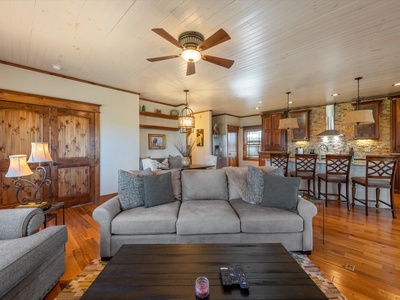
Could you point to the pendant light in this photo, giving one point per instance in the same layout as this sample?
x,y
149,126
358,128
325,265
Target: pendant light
x,y
288,122
186,118
359,116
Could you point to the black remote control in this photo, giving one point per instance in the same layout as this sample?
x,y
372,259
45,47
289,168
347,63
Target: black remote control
x,y
225,276
244,285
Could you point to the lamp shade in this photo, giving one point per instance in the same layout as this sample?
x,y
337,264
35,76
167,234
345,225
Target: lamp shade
x,y
363,116
18,166
288,123
40,153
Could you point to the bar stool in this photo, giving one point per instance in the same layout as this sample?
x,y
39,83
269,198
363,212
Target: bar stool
x,y
379,174
281,160
305,169
337,171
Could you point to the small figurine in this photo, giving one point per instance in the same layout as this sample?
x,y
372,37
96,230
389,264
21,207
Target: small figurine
x,y
215,129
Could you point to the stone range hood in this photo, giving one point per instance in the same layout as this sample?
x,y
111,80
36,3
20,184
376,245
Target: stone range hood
x,y
330,123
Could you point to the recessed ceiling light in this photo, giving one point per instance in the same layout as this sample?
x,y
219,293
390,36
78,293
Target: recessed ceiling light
x,y
291,102
56,67
335,94
396,84
260,102
256,107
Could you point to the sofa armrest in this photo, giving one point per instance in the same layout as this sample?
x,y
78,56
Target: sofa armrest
x,y
307,211
20,222
103,215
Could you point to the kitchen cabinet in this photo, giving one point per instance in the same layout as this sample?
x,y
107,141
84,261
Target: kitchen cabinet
x,y
303,132
369,131
273,139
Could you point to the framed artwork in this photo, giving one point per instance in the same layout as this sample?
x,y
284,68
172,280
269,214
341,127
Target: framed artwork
x,y
157,141
200,137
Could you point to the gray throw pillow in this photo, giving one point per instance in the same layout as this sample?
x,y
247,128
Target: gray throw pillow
x,y
281,192
255,182
158,190
131,189
175,162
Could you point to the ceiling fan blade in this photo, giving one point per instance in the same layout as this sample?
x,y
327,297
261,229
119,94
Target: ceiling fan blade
x,y
223,62
162,58
191,69
161,32
217,38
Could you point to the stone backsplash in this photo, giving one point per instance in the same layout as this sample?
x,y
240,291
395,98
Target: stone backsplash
x,y
337,145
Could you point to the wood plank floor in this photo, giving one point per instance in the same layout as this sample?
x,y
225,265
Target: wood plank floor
x,y
371,244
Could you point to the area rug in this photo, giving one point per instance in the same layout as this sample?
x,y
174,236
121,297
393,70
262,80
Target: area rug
x,y
76,288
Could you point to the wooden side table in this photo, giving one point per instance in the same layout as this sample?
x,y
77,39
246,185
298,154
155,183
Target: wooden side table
x,y
51,213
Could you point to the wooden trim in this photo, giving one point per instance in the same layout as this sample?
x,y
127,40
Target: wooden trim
x,y
159,102
66,77
41,100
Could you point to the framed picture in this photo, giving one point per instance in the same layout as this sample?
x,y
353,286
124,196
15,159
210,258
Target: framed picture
x,y
200,137
157,141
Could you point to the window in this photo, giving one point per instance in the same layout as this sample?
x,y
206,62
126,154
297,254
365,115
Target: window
x,y
251,142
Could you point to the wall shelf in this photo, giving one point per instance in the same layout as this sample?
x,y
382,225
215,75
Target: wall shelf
x,y
158,127
156,115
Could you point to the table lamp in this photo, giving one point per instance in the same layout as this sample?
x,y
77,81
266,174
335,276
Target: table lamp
x,y
19,167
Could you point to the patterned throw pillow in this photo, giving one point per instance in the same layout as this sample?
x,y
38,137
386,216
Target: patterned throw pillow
x,y
255,182
175,162
131,188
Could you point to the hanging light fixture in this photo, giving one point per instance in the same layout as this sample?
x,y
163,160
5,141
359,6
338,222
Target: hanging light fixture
x,y
186,118
359,116
288,122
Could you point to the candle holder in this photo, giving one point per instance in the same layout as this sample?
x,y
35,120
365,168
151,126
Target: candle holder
x,y
202,287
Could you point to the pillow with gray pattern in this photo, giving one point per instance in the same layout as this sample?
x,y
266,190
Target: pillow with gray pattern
x,y
131,188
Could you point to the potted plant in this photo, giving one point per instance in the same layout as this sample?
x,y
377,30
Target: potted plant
x,y
185,149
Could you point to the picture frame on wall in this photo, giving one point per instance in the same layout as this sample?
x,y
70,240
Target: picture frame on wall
x,y
200,137
157,141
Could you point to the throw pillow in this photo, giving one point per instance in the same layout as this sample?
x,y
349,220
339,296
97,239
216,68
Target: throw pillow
x,y
281,192
149,163
163,165
237,182
255,182
158,190
131,189
175,162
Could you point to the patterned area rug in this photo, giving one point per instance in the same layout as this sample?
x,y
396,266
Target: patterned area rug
x,y
76,288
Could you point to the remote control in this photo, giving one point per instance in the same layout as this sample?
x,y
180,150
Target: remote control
x,y
225,276
244,285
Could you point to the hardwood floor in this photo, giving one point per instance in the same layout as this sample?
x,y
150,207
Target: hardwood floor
x,y
371,244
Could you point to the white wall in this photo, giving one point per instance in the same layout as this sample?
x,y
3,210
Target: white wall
x,y
119,118
203,121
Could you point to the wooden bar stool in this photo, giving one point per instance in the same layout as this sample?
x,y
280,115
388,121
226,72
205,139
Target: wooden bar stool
x,y
305,165
281,160
337,171
379,174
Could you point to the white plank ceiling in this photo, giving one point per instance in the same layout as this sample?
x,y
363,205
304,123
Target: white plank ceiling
x,y
311,48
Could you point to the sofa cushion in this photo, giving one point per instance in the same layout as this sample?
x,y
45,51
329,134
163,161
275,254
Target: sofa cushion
x,y
207,217
281,192
255,218
204,185
255,182
153,220
131,189
157,189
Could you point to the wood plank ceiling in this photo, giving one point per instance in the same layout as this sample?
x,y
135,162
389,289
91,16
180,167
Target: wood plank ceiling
x,y
311,48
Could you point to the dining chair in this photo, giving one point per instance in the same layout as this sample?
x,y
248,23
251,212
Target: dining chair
x,y
337,171
305,166
281,160
379,174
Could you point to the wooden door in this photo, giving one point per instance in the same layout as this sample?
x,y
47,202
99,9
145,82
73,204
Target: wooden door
x,y
233,133
73,137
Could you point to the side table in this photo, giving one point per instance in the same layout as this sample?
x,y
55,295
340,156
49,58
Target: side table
x,y
50,215
316,200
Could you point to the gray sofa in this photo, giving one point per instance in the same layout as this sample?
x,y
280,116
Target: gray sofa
x,y
31,262
209,210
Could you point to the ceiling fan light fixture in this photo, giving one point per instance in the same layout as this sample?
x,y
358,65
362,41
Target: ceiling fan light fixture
x,y
191,55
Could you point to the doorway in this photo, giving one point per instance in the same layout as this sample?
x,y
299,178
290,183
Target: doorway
x,y
233,134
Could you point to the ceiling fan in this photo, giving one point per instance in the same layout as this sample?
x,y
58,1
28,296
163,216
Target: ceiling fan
x,y
192,43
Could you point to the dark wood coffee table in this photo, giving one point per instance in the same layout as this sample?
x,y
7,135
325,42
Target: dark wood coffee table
x,y
169,271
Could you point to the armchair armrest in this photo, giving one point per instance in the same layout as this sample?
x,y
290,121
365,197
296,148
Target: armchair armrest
x,y
20,222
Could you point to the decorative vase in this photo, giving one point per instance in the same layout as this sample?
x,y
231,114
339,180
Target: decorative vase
x,y
185,161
